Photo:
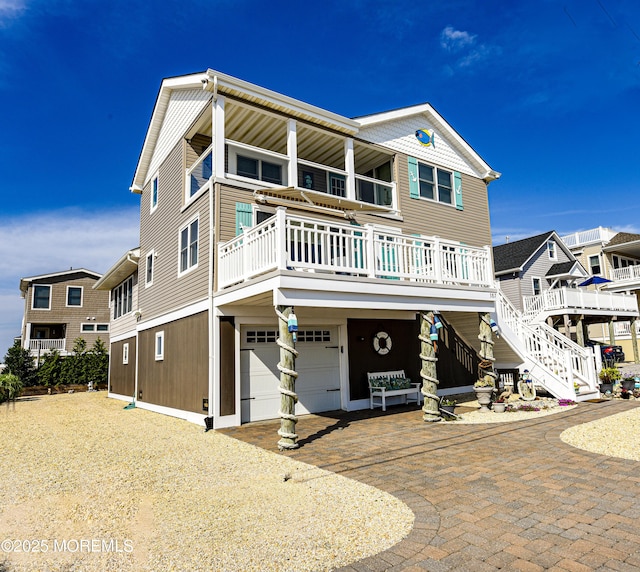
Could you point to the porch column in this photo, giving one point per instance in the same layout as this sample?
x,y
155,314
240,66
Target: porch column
x,y
580,331
634,340
350,168
287,387
292,151
217,128
612,332
485,336
428,372
567,326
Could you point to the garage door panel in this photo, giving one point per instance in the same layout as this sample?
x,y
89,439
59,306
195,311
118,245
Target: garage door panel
x,y
318,384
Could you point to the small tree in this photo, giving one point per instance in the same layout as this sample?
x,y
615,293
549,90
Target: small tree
x,y
74,365
50,371
97,363
19,362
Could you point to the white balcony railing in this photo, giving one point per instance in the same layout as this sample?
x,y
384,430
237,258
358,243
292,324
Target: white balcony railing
x,y
299,243
577,298
47,344
628,274
600,234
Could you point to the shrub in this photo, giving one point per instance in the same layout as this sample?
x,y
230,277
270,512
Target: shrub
x,y
609,375
10,387
19,362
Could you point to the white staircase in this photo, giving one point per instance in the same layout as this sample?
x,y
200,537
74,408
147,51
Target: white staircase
x,y
553,360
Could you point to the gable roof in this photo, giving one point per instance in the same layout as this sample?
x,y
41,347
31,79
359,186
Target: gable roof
x,y
565,270
428,111
624,242
24,282
512,256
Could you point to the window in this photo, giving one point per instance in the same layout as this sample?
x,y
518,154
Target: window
x,y
551,250
159,346
41,297
122,298
74,295
95,327
594,264
337,185
154,193
435,184
189,246
254,168
125,353
536,286
149,273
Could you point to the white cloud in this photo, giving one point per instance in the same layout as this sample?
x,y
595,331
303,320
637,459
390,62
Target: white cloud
x,y
10,10
456,40
54,241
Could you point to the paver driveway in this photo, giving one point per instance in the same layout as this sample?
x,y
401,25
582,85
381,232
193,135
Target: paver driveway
x,y
505,496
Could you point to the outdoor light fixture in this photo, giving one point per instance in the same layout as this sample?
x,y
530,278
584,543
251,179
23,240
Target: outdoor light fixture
x,y
205,404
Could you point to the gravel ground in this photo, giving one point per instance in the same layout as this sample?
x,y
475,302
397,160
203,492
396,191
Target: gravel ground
x,y
86,485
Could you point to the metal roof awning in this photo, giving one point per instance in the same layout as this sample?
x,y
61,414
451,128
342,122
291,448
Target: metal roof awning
x,y
316,200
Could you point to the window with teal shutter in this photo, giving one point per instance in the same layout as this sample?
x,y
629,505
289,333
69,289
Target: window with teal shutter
x,y
244,217
414,185
457,186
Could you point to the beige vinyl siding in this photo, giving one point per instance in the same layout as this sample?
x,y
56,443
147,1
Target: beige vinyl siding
x,y
510,286
126,322
95,303
422,216
159,231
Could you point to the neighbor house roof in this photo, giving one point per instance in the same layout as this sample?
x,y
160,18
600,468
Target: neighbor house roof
x,y
561,268
24,282
512,256
126,265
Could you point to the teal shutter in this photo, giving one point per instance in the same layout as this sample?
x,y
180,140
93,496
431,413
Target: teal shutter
x,y
244,216
457,190
414,183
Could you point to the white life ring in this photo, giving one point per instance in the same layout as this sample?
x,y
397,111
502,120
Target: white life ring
x,y
382,343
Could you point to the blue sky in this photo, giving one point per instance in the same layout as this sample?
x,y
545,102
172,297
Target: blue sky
x,y
547,92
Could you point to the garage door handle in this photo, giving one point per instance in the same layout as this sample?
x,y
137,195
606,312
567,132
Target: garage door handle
x,y
246,398
336,389
331,347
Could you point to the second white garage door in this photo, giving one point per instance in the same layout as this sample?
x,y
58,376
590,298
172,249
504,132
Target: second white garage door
x,y
318,366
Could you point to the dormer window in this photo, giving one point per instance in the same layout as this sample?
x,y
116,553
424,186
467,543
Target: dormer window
x,y
552,250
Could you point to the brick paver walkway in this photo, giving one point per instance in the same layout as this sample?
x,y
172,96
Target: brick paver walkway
x,y
504,496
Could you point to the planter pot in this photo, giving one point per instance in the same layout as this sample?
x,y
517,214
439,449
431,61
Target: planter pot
x,y
628,384
499,407
483,394
604,387
448,408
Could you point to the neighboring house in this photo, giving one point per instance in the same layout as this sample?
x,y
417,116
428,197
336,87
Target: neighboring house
x,y
614,256
60,307
541,277
251,200
121,281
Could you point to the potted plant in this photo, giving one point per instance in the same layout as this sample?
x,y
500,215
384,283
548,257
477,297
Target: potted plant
x,y
447,405
629,383
499,405
608,376
484,389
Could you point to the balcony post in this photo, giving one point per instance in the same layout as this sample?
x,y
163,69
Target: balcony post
x,y
281,238
437,259
217,165
350,168
371,251
292,152
580,331
490,275
634,339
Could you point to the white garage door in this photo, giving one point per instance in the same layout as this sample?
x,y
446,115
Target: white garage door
x,y
318,383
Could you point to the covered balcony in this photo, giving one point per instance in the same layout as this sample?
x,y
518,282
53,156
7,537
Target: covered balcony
x,y
287,242
236,142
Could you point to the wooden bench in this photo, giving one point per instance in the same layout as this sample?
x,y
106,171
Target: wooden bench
x,y
381,387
